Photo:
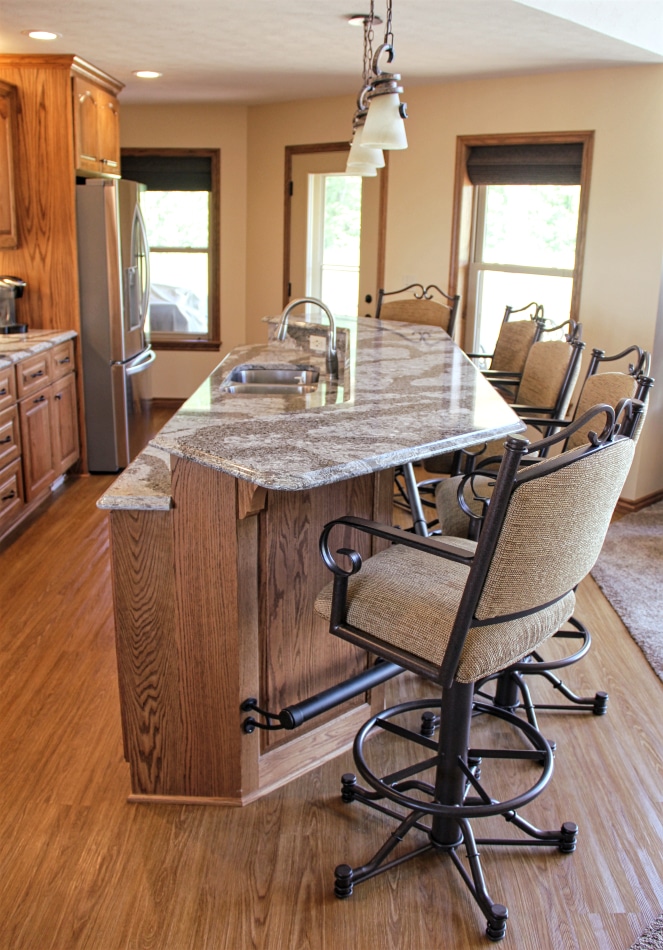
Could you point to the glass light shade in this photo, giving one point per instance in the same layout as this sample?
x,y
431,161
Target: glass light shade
x,y
365,169
384,126
359,155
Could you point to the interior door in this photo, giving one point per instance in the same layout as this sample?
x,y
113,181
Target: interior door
x,y
298,223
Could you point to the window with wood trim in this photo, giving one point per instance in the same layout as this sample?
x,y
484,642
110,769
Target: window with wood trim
x,y
181,210
519,224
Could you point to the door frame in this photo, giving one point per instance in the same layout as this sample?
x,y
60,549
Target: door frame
x,y
290,151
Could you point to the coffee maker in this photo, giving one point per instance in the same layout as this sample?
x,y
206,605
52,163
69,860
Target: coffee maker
x,y
10,289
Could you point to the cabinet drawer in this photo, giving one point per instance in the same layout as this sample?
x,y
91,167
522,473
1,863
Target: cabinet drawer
x,y
11,493
34,373
10,438
7,386
62,359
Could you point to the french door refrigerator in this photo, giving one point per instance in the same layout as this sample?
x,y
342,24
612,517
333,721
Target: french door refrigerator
x,y
114,281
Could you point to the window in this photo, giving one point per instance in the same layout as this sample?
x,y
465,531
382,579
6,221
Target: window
x,y
181,210
520,214
524,250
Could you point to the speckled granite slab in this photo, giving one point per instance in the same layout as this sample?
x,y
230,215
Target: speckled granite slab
x,y
15,347
405,392
143,485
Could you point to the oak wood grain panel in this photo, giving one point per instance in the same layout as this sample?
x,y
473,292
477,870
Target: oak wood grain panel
x,y
33,374
36,440
206,591
146,644
46,255
11,494
8,232
10,436
298,655
7,386
247,640
62,359
66,446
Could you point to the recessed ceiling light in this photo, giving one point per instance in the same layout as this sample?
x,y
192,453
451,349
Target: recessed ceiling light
x,y
147,74
41,34
358,19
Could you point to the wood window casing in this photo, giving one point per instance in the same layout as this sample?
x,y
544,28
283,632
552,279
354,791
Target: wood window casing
x,y
212,341
463,206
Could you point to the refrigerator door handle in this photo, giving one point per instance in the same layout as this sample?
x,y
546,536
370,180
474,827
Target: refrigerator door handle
x,y
144,253
142,366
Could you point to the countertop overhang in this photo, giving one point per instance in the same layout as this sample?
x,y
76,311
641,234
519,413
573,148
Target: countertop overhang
x,y
406,392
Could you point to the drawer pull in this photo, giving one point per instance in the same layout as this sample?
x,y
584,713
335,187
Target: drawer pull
x,y
12,494
5,440
65,360
3,392
36,375
39,399
58,396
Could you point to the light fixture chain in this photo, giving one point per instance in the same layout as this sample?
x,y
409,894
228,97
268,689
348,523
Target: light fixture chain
x,y
368,42
388,35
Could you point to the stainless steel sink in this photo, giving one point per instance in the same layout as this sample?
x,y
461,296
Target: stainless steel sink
x,y
266,380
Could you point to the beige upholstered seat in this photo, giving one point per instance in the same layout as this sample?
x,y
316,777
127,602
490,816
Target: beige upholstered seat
x,y
457,612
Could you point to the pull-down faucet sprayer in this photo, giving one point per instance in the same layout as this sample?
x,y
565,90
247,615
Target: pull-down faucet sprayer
x,y
332,355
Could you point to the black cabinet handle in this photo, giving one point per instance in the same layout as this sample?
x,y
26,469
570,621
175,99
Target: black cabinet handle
x,y
5,441
3,392
12,494
36,375
58,396
39,399
65,360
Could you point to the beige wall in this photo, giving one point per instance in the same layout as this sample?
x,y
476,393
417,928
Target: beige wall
x,y
622,276
177,374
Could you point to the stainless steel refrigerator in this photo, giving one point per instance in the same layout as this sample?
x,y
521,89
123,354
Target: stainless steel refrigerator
x,y
114,278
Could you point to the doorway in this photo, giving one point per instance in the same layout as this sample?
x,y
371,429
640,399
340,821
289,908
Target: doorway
x,y
334,230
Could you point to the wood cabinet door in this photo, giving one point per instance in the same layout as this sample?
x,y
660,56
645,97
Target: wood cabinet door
x,y
8,226
7,386
38,467
86,124
66,448
108,115
11,495
10,438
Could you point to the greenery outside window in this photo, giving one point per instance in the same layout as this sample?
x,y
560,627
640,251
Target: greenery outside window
x,y
181,210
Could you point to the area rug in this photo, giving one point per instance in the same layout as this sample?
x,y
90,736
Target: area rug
x,y
629,571
651,939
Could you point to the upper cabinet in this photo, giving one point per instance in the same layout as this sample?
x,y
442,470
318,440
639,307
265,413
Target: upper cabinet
x,y
96,122
8,234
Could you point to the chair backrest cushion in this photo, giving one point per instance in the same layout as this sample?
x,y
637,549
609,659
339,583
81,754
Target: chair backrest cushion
x,y
513,344
553,531
545,374
606,388
429,312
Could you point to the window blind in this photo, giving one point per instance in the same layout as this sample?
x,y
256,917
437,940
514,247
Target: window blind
x,y
525,164
169,172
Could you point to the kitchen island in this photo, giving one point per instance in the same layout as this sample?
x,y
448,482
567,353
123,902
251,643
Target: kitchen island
x,y
214,532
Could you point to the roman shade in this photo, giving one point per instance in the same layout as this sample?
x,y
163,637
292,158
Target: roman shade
x,y
169,172
525,164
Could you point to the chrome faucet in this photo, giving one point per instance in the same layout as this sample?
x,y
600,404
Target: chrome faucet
x,y
332,355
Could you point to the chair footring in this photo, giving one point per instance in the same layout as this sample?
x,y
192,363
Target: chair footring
x,y
447,827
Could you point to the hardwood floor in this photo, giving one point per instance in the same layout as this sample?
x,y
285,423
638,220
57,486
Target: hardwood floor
x,y
81,868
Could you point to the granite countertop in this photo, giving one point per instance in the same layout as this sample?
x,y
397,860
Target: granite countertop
x,y
15,347
405,392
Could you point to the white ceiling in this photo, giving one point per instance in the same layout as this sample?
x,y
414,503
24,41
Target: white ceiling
x,y
250,51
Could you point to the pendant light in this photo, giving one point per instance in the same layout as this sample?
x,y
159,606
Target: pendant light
x,y
362,160
384,127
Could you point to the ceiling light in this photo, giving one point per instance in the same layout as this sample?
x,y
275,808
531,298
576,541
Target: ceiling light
x,y
41,34
358,19
147,74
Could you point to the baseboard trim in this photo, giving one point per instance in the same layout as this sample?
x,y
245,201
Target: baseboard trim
x,y
626,507
167,403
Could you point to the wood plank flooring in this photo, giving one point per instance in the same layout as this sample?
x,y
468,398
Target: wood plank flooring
x,y
81,868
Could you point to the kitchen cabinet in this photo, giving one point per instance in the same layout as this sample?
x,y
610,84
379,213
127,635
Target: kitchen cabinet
x,y
39,435
96,128
8,232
